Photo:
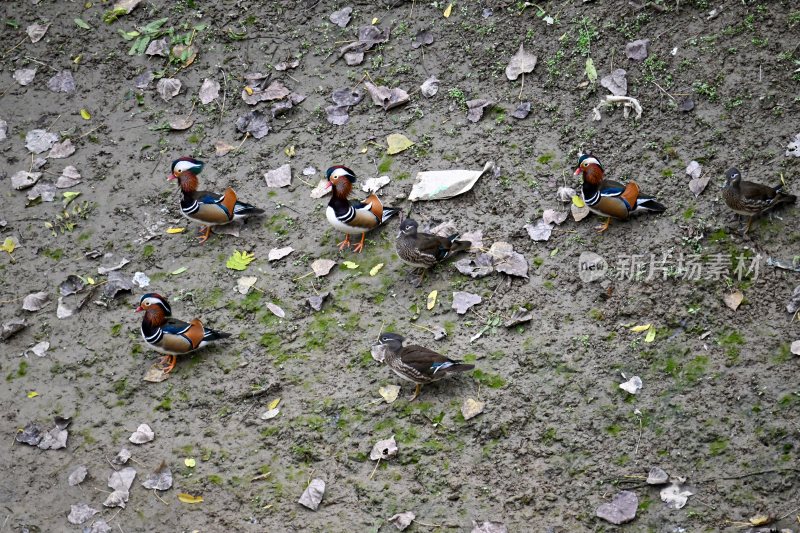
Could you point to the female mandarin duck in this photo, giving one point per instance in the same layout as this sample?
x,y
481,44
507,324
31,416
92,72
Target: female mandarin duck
x,y
208,208
417,364
611,198
352,218
169,335
426,250
752,199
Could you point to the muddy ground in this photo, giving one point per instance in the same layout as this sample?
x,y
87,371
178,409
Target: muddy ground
x,y
558,438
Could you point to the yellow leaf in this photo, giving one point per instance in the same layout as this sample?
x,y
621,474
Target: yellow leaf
x,y
376,269
350,265
77,59
273,404
760,520
389,392
289,150
240,260
179,271
651,335
448,10
85,114
8,245
90,281
189,498
190,462
397,143
364,150
578,201
176,230
248,90
374,21
432,299
639,329
33,394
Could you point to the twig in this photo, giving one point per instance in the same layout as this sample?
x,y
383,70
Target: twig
x,y
247,413
374,469
426,525
750,474
246,135
360,81
662,90
11,50
790,512
155,492
115,515
303,276
412,9
423,328
224,93
41,63
636,449
54,122
261,476
112,464
82,135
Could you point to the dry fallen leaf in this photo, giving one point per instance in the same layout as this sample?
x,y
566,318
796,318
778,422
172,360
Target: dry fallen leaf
x,y
313,494
167,88
397,142
462,301
35,301
209,91
657,476
384,449
674,497
471,408
402,520
389,392
279,177
142,434
279,253
322,267
431,300
276,310
621,509
637,50
80,513
733,299
616,82
160,479
190,498
632,386
476,108
521,63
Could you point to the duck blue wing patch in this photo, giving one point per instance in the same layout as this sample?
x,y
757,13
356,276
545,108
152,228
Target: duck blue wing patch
x,y
175,326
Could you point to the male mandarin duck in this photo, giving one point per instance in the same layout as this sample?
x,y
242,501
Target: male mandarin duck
x,y
208,208
417,364
752,199
425,250
169,335
610,198
352,218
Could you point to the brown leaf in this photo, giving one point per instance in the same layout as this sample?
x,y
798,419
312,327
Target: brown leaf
x,y
385,97
521,63
733,299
